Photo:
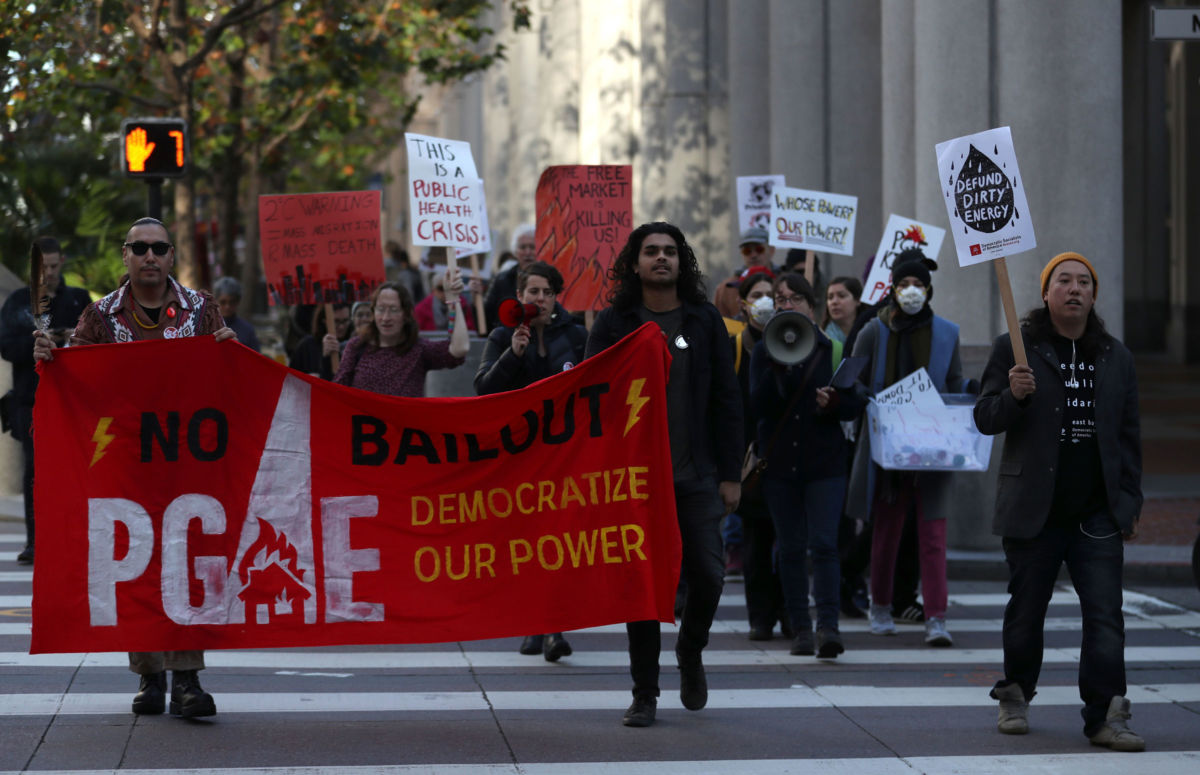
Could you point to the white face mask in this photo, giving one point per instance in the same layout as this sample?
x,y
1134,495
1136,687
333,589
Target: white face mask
x,y
911,299
761,310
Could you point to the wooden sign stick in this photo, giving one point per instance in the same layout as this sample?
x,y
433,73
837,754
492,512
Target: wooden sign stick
x,y
1010,312
480,323
331,328
809,269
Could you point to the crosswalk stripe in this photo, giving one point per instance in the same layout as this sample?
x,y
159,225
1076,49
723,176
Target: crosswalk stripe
x,y
1159,762
84,703
438,660
852,626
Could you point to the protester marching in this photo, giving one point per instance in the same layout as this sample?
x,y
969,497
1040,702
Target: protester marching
x,y
634,434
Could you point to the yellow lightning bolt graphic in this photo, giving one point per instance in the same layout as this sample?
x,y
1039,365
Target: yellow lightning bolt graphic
x,y
102,438
635,401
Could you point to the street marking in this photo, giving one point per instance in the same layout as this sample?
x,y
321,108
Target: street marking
x,y
287,659
274,703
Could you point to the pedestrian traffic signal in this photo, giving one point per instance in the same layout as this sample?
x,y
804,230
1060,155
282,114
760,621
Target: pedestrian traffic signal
x,y
154,148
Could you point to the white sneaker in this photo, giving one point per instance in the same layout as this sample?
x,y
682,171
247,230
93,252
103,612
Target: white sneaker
x,y
1115,733
880,617
1013,718
936,633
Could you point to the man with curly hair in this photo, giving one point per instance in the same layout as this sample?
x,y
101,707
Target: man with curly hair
x,y
656,278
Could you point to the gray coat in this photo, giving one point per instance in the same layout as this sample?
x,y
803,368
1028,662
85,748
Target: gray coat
x,y
1027,468
935,487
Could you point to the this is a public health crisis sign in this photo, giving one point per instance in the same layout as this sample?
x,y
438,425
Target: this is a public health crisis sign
x,y
985,200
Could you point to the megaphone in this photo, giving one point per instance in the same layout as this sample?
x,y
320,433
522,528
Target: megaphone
x,y
513,313
790,337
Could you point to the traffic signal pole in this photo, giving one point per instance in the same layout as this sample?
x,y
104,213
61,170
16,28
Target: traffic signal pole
x,y
154,198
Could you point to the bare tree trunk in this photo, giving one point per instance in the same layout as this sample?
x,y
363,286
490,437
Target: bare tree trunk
x,y
229,176
251,262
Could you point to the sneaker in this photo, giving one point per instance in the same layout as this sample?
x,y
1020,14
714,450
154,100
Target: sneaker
x,y
802,644
1014,710
532,644
555,646
151,697
759,632
829,643
693,685
881,620
733,560
641,712
1115,733
913,613
936,633
26,558
187,698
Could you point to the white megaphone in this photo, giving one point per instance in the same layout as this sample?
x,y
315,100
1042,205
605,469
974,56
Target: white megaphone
x,y
789,337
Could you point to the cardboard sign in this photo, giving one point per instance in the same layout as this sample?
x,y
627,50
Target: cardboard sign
x,y
813,220
754,200
321,248
584,216
916,389
445,196
984,198
899,235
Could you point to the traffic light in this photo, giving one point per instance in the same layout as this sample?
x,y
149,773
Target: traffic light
x,y
154,148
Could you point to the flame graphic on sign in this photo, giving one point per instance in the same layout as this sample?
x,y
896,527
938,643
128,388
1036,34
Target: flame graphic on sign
x,y
271,576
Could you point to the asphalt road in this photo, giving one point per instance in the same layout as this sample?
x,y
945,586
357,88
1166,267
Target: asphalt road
x,y
888,705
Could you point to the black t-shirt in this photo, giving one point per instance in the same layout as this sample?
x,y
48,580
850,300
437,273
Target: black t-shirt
x,y
1079,484
671,323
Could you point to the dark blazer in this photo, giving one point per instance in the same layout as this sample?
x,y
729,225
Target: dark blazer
x,y
715,405
1030,459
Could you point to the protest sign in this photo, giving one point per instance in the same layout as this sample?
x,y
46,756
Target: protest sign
x,y
985,200
754,200
941,437
320,248
899,235
988,212
584,216
813,220
276,509
916,389
444,194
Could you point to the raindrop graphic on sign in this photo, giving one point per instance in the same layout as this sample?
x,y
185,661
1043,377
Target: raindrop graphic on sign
x,y
983,193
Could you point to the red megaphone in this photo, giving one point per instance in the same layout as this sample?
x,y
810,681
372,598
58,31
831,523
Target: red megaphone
x,y
513,313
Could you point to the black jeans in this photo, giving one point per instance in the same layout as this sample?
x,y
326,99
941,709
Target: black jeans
x,y
27,487
764,591
1094,553
699,510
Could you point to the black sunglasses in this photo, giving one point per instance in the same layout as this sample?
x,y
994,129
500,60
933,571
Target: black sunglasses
x,y
139,248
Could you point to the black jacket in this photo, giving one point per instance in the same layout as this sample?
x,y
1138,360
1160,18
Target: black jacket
x,y
504,286
1030,460
715,404
501,369
811,444
16,338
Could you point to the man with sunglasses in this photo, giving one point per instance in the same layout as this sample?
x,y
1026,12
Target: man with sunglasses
x,y
755,253
150,304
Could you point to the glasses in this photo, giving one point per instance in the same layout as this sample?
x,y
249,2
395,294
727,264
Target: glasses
x,y
781,300
384,310
753,249
139,248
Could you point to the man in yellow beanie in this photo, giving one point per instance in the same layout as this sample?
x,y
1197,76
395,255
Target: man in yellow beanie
x,y
1070,491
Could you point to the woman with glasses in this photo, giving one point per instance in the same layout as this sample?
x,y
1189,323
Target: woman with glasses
x,y
534,349
388,356
800,435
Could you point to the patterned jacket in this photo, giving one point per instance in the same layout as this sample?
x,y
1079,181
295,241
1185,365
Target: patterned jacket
x,y
185,312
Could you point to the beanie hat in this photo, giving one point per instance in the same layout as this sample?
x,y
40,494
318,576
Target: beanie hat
x,y
906,266
1069,256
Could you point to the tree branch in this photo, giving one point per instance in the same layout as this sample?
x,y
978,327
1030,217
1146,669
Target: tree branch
x,y
111,89
239,14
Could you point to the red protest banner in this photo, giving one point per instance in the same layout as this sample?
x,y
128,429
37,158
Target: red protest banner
x,y
320,248
584,216
275,509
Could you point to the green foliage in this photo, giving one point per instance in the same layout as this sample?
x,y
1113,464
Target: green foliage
x,y
319,90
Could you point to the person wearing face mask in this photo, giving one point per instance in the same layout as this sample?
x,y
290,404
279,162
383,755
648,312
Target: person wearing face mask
x,y
905,336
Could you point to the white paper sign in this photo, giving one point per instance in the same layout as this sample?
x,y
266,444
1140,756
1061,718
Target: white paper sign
x,y
485,245
813,220
916,389
899,235
754,200
444,195
984,196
